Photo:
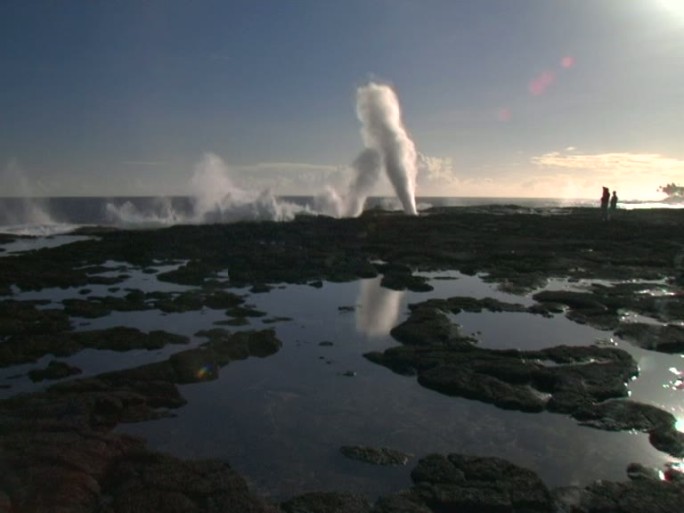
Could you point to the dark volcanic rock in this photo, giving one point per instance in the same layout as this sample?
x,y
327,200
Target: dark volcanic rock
x,y
401,281
54,370
616,415
461,483
666,339
146,481
28,348
469,483
429,325
327,502
400,503
23,318
469,304
636,496
375,455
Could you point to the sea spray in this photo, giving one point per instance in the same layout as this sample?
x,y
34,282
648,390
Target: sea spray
x,y
365,173
214,198
217,199
377,107
25,214
387,145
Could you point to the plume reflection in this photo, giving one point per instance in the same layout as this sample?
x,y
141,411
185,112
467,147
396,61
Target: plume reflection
x,y
378,310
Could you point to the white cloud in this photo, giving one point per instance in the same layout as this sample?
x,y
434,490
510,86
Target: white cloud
x,y
617,162
435,169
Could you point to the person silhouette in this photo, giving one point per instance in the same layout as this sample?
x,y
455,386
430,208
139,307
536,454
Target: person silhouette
x,y
605,198
613,203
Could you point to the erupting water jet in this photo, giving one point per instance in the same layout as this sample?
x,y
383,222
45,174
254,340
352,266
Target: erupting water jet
x,y
377,107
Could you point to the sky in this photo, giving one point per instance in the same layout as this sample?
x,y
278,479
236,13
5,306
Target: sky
x,y
524,98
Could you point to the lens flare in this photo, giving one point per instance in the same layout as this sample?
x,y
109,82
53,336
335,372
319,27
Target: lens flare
x,y
539,84
568,62
205,372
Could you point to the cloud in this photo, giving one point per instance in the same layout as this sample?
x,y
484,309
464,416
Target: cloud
x,y
619,162
433,170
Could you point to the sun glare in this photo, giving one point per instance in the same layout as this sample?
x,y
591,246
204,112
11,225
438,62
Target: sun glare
x,y
675,7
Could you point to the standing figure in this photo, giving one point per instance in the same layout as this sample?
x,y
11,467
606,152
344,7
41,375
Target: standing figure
x,y
613,203
605,198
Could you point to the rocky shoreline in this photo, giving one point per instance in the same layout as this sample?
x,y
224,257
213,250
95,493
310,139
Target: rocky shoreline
x,y
58,450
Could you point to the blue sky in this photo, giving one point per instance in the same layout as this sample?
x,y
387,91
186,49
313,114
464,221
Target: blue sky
x,y
501,97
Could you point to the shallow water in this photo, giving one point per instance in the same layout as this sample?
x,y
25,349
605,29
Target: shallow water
x,y
21,245
281,420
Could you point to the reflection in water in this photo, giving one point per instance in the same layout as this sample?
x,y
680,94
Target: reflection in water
x,y
378,309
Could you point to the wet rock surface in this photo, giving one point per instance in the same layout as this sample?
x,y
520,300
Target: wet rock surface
x,y
666,339
58,450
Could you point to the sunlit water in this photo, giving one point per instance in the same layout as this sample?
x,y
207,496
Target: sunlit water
x,y
281,420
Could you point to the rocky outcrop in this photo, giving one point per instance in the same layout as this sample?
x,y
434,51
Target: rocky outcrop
x,y
375,455
586,382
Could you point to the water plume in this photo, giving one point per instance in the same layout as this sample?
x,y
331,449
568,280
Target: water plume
x,y
377,107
